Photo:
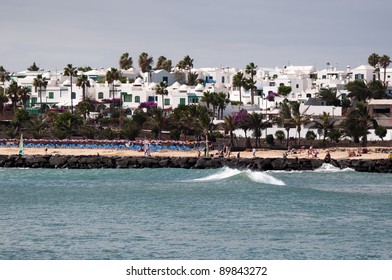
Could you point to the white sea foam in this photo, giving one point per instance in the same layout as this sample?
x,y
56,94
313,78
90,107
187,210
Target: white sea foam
x,y
327,167
264,178
258,177
223,173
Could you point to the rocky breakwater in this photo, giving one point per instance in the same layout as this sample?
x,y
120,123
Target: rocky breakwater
x,y
259,164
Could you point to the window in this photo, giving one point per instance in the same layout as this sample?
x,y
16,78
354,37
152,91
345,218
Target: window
x,y
33,101
182,101
73,95
359,76
137,99
127,97
223,80
51,94
324,77
165,80
100,95
297,86
167,101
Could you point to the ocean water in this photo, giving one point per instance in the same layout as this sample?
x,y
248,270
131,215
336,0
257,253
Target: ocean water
x,y
194,214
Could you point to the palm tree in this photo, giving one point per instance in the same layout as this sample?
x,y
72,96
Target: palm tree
x,y
384,63
325,124
299,119
358,123
71,71
163,63
186,63
145,62
157,121
33,67
4,75
161,89
125,61
24,94
207,98
83,82
13,93
239,81
377,89
3,100
229,125
251,70
329,95
373,61
192,78
291,117
256,123
40,82
112,75
358,90
222,103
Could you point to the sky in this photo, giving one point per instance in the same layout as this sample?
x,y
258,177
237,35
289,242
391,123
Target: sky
x,y
215,33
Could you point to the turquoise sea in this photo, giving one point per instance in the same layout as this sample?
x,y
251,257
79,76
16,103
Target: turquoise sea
x,y
194,214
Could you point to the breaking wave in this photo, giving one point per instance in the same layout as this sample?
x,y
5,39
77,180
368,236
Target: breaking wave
x,y
255,176
326,167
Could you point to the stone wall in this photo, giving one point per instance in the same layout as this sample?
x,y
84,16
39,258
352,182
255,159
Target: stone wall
x,y
258,164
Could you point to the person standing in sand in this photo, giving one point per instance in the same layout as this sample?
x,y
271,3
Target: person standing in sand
x,y
254,152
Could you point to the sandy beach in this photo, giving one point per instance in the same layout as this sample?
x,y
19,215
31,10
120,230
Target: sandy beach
x,y
336,153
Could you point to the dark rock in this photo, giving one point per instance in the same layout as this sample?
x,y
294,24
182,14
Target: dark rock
x,y
279,164
58,161
122,162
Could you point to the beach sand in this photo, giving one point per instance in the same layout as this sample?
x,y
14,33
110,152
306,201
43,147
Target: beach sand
x,y
336,153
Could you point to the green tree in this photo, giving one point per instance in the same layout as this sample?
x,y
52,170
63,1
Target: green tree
x,y
239,82
251,70
284,90
384,61
161,89
84,83
329,95
335,134
325,125
230,126
279,134
113,75
192,79
130,129
310,135
4,75
24,95
358,123
3,100
256,124
66,125
125,61
163,63
40,82
13,94
373,61
84,107
381,132
33,67
145,62
71,71
186,63
358,90
223,101
377,89
157,121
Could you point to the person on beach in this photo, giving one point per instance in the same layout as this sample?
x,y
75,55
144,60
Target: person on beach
x,y
254,152
327,158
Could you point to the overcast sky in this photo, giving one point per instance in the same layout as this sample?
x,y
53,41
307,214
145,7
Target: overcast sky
x,y
215,33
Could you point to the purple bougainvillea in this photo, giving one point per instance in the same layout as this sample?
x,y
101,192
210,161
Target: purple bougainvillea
x,y
148,105
271,96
